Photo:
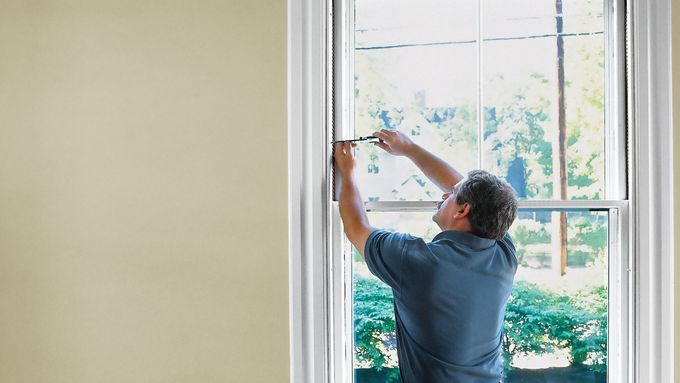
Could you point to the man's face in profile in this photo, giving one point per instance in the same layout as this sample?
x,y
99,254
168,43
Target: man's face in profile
x,y
446,208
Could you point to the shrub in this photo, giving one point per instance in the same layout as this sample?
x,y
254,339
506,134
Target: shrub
x,y
541,321
374,325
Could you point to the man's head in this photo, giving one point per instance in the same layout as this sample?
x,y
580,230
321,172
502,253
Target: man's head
x,y
481,204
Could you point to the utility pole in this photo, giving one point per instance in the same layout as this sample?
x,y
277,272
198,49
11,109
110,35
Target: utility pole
x,y
559,155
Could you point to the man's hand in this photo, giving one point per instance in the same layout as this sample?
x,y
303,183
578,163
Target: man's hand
x,y
344,157
394,142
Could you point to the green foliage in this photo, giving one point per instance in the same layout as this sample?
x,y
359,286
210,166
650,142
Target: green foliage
x,y
374,326
518,130
585,122
589,232
540,321
587,238
528,232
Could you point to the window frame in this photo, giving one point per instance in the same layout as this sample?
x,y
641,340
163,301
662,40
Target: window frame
x,y
318,352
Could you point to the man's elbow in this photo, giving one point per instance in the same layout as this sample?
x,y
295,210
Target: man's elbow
x,y
352,234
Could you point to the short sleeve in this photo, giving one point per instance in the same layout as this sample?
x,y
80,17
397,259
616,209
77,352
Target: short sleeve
x,y
509,247
384,253
507,240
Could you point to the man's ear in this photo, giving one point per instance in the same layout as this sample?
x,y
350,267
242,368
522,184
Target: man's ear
x,y
463,211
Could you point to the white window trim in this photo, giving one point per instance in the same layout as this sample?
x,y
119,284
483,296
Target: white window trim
x,y
311,220
652,193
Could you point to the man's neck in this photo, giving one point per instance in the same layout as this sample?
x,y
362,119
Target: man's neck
x,y
460,226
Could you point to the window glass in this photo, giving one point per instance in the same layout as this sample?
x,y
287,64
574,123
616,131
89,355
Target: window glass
x,y
584,17
417,70
521,98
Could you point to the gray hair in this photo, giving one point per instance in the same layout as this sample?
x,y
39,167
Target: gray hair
x,y
493,203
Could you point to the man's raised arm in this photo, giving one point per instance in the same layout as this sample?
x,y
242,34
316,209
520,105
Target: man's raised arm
x,y
352,211
436,169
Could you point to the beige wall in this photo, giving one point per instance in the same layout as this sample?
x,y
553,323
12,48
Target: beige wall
x,y
143,205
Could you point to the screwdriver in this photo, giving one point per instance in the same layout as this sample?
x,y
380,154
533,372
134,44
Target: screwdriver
x,y
365,138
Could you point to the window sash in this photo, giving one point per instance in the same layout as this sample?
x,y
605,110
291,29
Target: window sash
x,y
616,141
620,266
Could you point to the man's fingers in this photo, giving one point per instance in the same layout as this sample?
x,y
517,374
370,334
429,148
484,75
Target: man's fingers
x,y
382,146
343,149
339,150
346,148
380,134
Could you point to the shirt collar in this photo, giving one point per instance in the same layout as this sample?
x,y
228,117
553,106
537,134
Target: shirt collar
x,y
468,239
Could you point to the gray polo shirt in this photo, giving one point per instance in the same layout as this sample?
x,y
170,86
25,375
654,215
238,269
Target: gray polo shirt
x,y
449,302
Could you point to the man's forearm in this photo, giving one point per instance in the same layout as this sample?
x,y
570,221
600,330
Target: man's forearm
x,y
351,207
436,169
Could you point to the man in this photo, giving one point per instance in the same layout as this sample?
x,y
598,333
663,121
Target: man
x,y
449,294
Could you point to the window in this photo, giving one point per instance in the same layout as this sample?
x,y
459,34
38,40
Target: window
x,y
516,88
591,219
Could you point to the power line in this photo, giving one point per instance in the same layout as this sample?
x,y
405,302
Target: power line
x,y
475,41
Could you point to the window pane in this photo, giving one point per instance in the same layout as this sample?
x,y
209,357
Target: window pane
x,y
415,71
556,324
521,90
